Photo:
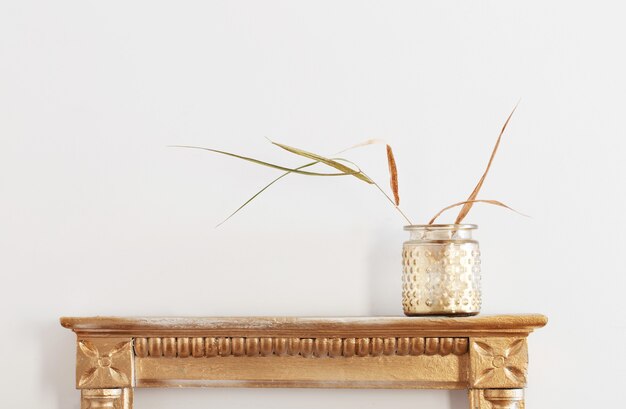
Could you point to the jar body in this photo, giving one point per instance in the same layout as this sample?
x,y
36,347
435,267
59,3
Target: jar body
x,y
441,271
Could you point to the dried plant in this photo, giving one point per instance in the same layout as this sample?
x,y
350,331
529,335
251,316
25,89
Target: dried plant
x,y
393,175
345,172
493,202
472,197
335,163
348,168
330,162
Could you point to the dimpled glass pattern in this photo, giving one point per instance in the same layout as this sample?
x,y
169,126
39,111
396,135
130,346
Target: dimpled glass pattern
x,y
441,271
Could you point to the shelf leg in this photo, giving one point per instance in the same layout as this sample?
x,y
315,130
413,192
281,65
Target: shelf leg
x,y
496,398
106,398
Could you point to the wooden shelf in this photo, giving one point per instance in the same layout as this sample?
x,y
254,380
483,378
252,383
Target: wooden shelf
x,y
486,355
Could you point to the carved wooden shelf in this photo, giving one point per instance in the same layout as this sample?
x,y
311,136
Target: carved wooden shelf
x,y
487,355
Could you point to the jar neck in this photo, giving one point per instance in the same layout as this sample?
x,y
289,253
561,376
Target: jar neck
x,y
441,231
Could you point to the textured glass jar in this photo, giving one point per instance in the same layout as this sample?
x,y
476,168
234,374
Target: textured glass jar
x,y
441,270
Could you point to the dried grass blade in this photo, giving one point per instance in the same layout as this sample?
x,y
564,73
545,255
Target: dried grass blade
x,y
393,175
493,202
379,188
471,199
332,163
261,191
364,143
346,171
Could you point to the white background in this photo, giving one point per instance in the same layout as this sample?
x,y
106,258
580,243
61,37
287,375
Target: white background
x,y
98,216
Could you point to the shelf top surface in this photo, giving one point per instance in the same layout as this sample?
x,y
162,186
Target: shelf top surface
x,y
313,326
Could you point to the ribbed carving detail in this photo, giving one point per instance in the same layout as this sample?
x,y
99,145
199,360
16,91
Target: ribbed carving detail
x,y
197,347
336,345
238,346
169,347
210,347
154,347
266,346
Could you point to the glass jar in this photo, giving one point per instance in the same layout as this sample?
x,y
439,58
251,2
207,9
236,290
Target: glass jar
x,y
441,270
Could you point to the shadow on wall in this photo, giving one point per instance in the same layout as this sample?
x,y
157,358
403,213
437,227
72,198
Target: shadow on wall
x,y
58,358
385,287
458,400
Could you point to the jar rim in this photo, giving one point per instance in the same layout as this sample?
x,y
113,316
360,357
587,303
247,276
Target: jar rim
x,y
412,227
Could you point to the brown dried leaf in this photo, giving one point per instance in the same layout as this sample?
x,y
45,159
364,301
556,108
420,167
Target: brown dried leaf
x,y
471,199
393,175
493,202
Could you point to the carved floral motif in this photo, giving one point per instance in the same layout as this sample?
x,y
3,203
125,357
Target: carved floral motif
x,y
104,363
498,362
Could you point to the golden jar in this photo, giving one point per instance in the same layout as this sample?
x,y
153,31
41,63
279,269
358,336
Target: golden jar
x,y
441,270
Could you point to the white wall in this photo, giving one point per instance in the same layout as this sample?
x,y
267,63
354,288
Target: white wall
x,y
98,216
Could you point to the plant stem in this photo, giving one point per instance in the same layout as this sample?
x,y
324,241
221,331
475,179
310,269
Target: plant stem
x,y
390,199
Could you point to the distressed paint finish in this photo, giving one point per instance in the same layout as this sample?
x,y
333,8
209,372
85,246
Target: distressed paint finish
x,y
488,355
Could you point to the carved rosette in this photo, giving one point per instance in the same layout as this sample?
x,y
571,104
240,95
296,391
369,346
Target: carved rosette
x,y
498,362
170,347
104,363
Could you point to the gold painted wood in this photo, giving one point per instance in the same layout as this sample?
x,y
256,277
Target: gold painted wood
x,y
498,362
497,399
106,398
488,355
393,372
104,363
305,347
304,327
